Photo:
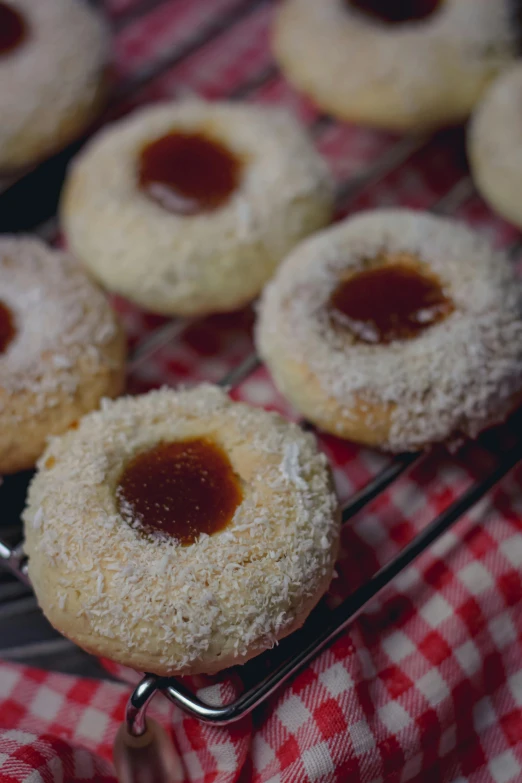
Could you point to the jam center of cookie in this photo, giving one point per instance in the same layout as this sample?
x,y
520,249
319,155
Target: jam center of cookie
x,y
7,327
188,173
396,11
180,490
391,302
13,29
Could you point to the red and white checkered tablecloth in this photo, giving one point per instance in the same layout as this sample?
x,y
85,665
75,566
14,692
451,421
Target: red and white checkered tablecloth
x,y
427,684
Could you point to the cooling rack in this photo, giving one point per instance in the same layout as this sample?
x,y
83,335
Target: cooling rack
x,y
29,203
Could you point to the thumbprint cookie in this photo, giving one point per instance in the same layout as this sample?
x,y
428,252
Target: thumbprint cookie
x,y
179,532
61,348
53,62
187,208
396,64
395,329
494,148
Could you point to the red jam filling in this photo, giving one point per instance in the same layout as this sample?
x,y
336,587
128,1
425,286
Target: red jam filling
x,y
13,29
396,11
179,490
387,303
7,327
188,173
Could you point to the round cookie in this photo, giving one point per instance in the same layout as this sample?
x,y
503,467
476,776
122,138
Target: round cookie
x,y
494,149
131,587
61,348
415,65
187,208
395,329
53,58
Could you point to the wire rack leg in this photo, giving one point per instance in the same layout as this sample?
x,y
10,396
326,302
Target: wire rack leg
x,y
313,642
139,700
143,750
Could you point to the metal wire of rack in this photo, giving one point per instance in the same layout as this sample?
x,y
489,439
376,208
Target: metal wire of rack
x,y
310,640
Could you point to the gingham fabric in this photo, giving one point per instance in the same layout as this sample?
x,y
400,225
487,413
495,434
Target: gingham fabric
x,y
427,684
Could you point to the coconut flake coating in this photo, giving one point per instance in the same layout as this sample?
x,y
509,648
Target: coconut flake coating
x,y
455,378
67,353
151,603
53,84
420,74
205,263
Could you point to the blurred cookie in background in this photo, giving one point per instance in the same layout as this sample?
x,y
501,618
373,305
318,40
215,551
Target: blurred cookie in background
x,y
53,61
